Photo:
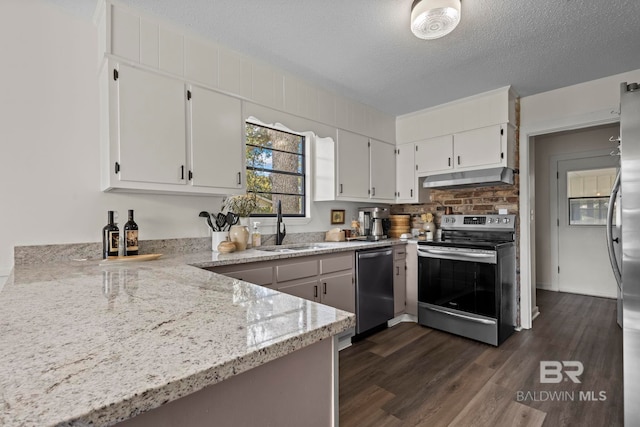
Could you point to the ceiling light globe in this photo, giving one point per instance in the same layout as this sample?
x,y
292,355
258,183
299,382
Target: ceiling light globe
x,y
432,19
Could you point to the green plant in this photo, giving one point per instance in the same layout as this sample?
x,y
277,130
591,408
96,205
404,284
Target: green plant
x,y
242,205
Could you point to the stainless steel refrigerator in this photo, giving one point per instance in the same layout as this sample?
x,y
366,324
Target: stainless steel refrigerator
x,y
629,206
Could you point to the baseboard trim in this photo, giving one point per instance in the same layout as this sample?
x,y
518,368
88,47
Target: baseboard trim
x,y
404,317
535,313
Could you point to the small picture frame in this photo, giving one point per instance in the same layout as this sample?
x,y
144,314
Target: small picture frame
x,y
337,216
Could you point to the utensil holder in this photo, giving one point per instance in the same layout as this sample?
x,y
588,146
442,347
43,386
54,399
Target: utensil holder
x,y
217,237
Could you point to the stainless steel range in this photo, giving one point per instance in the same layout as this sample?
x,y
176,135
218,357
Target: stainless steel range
x,y
467,280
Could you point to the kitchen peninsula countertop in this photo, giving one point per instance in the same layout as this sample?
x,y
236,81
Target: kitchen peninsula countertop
x,y
94,342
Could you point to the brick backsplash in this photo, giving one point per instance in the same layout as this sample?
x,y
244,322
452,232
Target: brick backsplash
x,y
479,200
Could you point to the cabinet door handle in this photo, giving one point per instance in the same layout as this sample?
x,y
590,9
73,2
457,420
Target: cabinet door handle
x,y
182,172
397,270
458,159
373,192
340,188
449,162
315,291
412,192
324,288
239,178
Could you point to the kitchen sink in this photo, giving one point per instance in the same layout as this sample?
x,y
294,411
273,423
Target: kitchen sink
x,y
297,248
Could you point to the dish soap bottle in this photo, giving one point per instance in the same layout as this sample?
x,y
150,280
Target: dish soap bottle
x,y
256,239
110,237
131,236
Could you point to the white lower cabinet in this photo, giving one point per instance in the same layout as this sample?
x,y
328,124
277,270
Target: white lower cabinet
x,y
327,279
260,275
307,289
399,279
339,291
412,278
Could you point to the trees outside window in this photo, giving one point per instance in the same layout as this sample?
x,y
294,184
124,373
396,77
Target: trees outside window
x,y
275,170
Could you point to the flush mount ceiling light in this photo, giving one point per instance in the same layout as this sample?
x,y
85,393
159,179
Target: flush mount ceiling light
x,y
432,19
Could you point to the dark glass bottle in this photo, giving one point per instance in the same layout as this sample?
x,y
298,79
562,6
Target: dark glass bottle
x,y
110,237
131,236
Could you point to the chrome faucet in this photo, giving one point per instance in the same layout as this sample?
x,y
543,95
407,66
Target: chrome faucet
x,y
280,234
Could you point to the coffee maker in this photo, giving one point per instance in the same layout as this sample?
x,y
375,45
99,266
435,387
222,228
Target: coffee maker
x,y
374,223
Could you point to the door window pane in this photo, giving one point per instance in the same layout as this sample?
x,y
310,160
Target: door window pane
x,y
588,195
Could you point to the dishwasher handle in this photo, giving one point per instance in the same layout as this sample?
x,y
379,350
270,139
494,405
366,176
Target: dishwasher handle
x,y
374,254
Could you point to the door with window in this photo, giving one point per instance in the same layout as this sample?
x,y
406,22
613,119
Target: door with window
x,y
584,186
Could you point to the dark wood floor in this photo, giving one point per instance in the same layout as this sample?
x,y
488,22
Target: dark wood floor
x,y
409,375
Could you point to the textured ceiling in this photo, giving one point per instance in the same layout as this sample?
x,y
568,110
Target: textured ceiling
x,y
365,50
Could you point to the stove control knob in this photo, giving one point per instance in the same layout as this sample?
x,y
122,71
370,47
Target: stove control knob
x,y
506,220
489,221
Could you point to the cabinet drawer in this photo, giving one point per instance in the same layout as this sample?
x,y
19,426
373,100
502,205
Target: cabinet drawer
x,y
338,263
308,289
399,253
296,270
260,276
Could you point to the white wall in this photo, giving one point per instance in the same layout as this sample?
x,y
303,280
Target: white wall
x,y
573,107
49,142
545,147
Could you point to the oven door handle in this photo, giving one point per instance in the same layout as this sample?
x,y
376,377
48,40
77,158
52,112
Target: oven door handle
x,y
489,258
462,316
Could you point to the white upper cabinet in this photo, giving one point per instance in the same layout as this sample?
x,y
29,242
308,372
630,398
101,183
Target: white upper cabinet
x,y
174,60
353,166
150,118
355,169
406,179
217,143
146,120
434,155
478,148
482,148
382,170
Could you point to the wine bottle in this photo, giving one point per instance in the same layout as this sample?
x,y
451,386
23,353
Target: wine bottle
x,y
131,236
110,237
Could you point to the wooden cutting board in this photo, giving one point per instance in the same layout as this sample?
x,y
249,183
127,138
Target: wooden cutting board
x,y
145,257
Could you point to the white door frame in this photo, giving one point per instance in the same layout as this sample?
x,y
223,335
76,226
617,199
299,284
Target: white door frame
x,y
553,204
527,193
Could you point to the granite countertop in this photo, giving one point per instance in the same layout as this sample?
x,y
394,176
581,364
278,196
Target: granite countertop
x,y
92,342
215,259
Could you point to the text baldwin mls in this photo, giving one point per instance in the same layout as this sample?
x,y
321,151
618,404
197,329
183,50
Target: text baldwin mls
x,y
561,396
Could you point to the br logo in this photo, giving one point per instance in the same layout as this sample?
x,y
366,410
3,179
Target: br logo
x,y
553,371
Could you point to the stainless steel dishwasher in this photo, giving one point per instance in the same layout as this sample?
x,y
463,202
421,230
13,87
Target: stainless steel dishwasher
x,y
374,288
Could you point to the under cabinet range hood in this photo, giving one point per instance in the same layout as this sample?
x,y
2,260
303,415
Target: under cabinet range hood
x,y
475,178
